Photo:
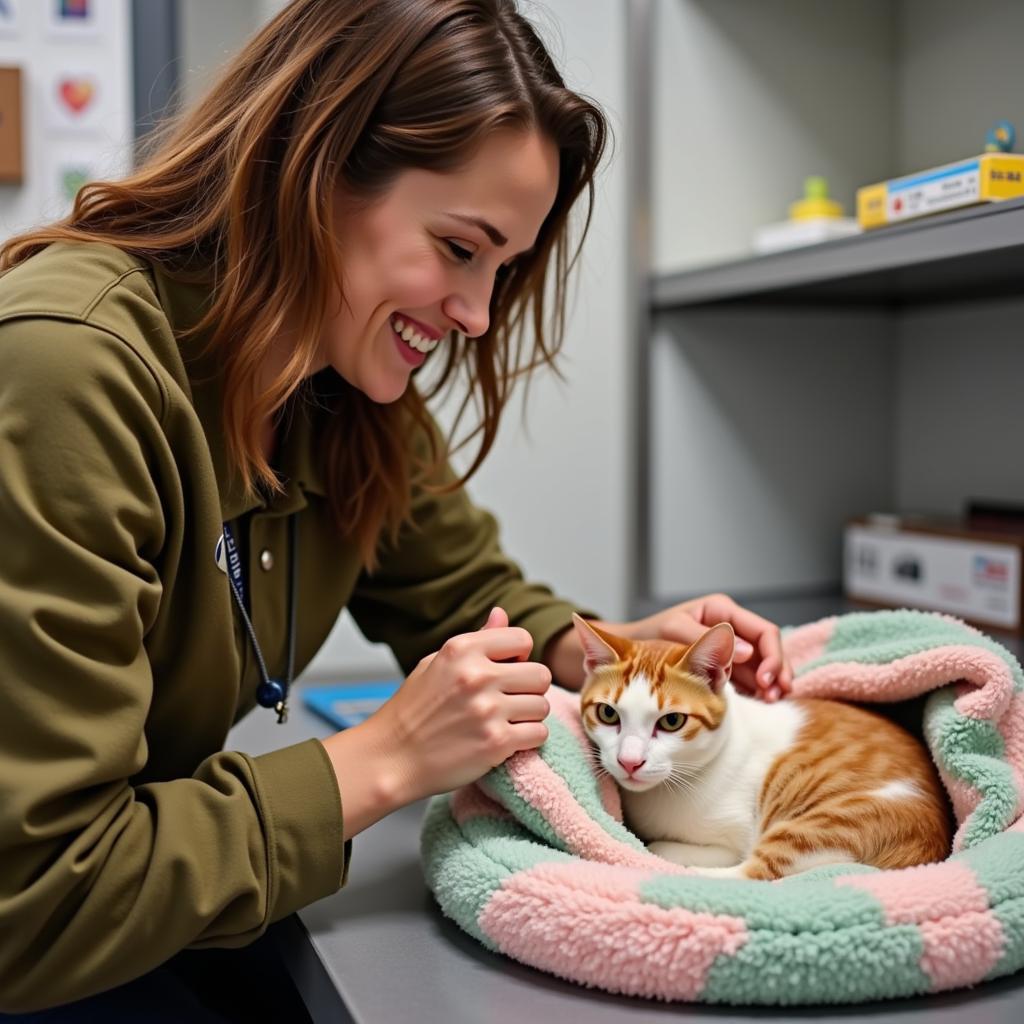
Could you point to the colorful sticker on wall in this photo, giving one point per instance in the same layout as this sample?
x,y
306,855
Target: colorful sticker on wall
x,y
10,18
76,18
75,102
71,177
72,163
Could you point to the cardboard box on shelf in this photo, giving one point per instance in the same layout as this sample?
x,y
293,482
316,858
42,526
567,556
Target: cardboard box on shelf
x,y
978,179
928,563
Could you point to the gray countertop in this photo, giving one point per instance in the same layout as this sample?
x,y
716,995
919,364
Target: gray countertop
x,y
380,951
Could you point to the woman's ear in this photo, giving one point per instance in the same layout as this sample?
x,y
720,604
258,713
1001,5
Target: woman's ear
x,y
710,656
599,647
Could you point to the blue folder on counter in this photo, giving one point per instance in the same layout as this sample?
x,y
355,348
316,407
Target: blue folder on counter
x,y
348,704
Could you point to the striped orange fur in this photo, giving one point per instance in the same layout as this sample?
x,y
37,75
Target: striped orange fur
x,y
747,789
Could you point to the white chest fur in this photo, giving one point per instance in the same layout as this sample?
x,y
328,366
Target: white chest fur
x,y
718,806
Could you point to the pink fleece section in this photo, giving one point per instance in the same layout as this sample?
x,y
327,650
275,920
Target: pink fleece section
x,y
963,939
545,917
472,802
804,644
548,793
916,674
1011,728
965,799
565,706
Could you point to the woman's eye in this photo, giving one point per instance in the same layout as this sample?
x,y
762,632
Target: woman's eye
x,y
672,722
461,254
607,714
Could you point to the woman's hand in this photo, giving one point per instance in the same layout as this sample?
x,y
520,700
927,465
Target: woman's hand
x,y
461,712
759,666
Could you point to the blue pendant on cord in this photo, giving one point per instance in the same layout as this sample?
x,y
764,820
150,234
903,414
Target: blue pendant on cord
x,y
270,694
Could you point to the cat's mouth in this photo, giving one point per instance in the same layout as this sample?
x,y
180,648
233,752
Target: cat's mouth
x,y
635,784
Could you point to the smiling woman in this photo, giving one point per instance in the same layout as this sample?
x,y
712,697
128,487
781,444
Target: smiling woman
x,y
410,260
213,440
330,108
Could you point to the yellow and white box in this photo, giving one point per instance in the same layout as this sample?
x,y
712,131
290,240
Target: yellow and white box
x,y
980,179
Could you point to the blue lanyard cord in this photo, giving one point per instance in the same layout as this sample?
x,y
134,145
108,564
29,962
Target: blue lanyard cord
x,y
272,693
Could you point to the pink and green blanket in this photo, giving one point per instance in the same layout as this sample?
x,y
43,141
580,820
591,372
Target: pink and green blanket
x,y
534,861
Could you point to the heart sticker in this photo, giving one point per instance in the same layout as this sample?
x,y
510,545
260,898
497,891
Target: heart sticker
x,y
77,93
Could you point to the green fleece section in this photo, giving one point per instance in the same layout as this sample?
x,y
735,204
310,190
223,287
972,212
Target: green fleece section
x,y
301,805
876,638
812,905
997,865
561,752
499,787
972,750
854,964
468,864
810,940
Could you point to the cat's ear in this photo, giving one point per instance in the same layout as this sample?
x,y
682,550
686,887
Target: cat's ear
x,y
599,648
710,656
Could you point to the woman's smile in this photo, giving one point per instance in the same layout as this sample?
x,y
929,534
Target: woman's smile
x,y
414,339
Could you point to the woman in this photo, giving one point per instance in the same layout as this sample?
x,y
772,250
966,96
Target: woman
x,y
211,442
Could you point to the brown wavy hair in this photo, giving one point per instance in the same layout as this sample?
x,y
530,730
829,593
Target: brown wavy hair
x,y
348,93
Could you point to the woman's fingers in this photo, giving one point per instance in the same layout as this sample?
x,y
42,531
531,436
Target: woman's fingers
x,y
498,643
526,708
528,735
524,677
768,671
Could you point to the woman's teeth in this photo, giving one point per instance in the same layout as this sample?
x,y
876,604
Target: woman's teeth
x,y
411,337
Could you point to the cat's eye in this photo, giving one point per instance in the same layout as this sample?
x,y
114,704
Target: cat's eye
x,y
607,715
672,722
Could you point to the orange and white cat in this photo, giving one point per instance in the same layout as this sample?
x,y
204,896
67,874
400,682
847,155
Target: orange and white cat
x,y
738,788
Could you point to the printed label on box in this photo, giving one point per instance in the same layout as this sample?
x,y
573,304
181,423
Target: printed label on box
x,y
938,190
968,578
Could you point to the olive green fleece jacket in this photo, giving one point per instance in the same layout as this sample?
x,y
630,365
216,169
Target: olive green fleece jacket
x,y
126,832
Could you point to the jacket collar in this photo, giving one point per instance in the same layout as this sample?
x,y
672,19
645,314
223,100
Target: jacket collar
x,y
185,299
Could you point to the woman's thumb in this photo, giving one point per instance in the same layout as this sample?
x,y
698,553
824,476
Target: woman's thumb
x,y
498,619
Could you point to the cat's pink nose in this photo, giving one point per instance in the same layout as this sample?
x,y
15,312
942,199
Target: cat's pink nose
x,y
631,766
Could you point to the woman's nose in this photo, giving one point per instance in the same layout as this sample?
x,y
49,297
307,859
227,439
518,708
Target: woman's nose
x,y
472,312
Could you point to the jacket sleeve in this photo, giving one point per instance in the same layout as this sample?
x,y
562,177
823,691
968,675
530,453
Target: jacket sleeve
x,y
101,880
444,575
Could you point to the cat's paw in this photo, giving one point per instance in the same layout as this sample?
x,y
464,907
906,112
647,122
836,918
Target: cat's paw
x,y
691,855
675,852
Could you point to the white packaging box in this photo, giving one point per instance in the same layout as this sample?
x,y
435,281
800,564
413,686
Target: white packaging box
x,y
975,577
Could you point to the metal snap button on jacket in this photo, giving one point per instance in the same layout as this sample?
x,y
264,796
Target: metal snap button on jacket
x,y
266,560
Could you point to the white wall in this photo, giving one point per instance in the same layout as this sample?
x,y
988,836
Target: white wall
x,y
960,418
750,97
959,72
770,428
55,141
210,33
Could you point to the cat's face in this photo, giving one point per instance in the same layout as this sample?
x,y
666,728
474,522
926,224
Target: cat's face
x,y
652,708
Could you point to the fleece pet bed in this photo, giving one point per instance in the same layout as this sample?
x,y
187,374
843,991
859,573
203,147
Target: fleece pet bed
x,y
534,861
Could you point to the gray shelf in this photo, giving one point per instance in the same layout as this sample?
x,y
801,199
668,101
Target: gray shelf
x,y
973,253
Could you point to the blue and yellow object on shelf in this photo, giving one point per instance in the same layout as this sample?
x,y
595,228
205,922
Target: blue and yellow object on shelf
x,y
995,174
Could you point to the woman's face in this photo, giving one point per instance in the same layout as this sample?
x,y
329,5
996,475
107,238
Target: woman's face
x,y
421,260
